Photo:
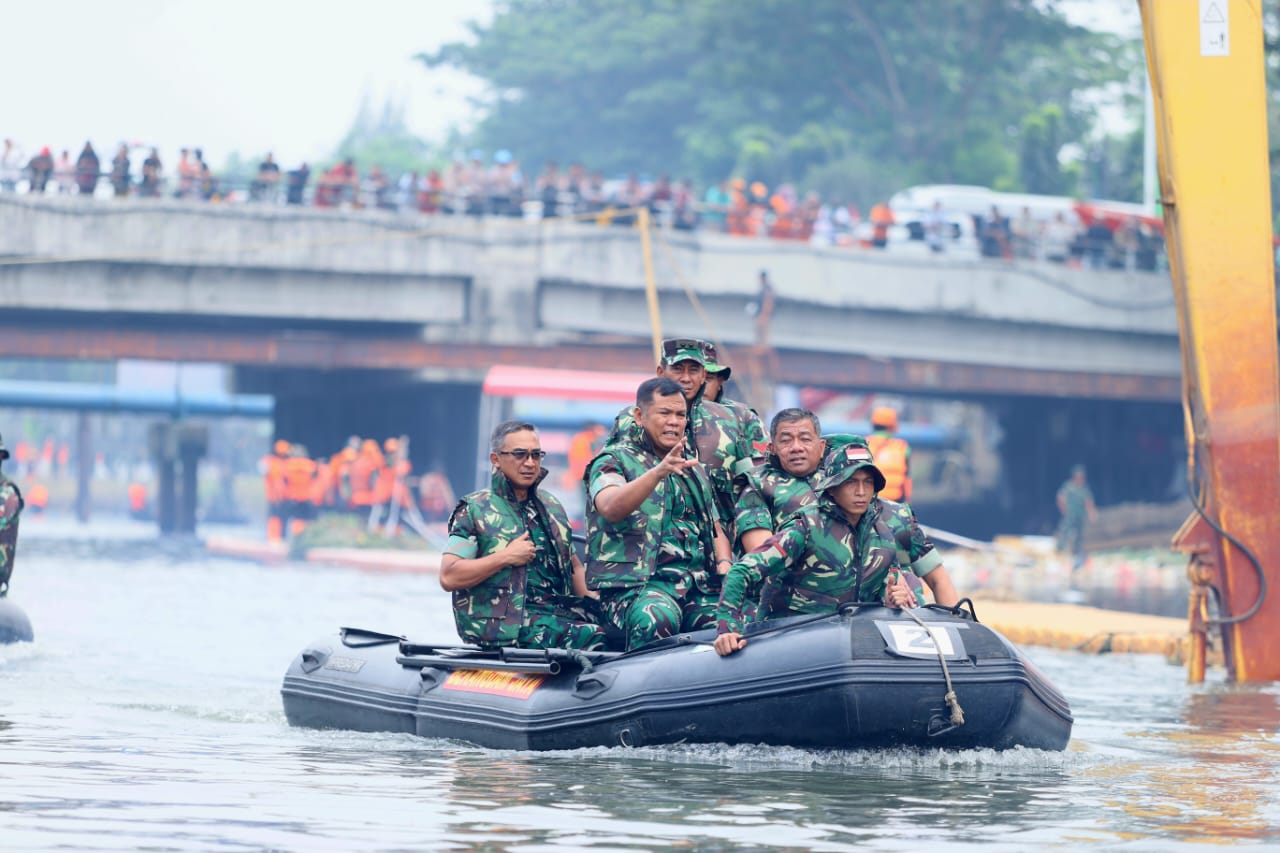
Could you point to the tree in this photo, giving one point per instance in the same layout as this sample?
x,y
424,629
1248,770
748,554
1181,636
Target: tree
x,y
1042,139
383,138
935,90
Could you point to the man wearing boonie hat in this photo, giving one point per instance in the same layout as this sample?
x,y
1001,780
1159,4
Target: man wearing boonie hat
x,y
748,418
849,547
10,508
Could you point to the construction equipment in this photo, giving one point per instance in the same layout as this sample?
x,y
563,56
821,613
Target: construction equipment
x,y
1205,59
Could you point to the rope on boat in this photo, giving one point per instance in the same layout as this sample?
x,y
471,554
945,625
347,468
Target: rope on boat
x,y
957,713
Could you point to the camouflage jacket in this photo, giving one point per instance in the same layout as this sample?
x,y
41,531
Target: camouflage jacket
x,y
822,562
770,496
625,553
723,447
492,612
10,509
750,426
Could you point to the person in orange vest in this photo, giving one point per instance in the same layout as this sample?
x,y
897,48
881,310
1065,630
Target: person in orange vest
x,y
38,497
273,481
138,501
341,465
436,497
892,454
758,209
322,489
299,478
390,484
881,219
384,480
363,469
583,447
737,216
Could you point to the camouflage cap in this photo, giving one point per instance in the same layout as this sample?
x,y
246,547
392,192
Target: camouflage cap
x,y
713,361
675,350
4,454
846,454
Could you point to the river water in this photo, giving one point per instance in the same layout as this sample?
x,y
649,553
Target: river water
x,y
147,716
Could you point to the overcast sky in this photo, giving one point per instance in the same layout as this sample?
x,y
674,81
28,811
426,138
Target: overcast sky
x,y
282,75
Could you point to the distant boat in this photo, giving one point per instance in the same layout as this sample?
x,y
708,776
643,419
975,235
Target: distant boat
x,y
15,627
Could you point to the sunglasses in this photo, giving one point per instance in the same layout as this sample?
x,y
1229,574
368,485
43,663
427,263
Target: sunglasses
x,y
520,454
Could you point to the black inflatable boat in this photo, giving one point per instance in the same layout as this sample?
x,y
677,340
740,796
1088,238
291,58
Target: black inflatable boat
x,y
15,627
866,677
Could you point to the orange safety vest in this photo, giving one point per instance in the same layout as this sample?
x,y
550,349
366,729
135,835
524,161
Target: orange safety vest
x,y
892,458
322,486
137,497
274,479
881,219
299,472
361,476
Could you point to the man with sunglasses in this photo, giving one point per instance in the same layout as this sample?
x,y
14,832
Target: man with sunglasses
x,y
654,547
509,562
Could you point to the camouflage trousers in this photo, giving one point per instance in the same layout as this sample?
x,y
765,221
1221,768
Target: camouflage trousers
x,y
6,566
656,610
560,629
1071,541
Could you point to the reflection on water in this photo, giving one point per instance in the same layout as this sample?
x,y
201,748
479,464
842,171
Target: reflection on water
x,y
148,715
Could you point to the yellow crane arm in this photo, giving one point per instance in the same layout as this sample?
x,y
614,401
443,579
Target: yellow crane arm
x,y
1205,59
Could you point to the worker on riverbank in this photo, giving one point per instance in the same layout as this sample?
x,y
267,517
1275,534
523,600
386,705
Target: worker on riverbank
x,y
892,454
11,506
1075,503
851,546
299,480
273,483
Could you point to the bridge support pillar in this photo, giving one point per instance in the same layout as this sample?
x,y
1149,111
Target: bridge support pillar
x,y
176,449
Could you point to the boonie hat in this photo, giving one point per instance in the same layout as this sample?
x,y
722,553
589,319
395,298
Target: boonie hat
x,y
684,349
713,361
845,455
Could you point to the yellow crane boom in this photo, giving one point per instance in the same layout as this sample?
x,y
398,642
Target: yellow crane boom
x,y
1205,59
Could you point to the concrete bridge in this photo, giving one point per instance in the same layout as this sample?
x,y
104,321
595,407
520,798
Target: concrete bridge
x,y
362,314
366,289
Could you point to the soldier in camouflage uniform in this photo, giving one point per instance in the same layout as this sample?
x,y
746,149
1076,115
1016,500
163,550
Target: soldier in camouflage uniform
x,y
712,430
10,508
782,484
850,546
654,547
778,488
509,561
749,424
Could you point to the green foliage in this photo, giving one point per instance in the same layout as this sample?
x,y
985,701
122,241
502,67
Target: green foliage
x,y
775,90
1043,135
346,531
382,137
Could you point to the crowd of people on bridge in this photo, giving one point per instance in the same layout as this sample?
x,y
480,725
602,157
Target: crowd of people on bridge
x,y
695,518
476,184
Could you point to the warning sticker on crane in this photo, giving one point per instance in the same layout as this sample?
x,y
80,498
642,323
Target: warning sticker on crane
x,y
1215,38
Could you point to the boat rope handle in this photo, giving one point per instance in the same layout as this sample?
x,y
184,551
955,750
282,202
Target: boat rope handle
x,y
957,713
